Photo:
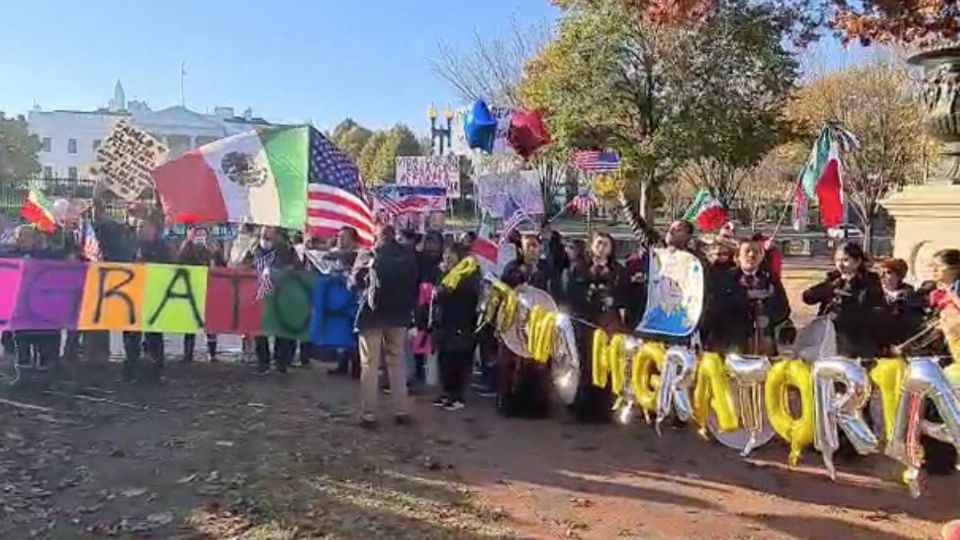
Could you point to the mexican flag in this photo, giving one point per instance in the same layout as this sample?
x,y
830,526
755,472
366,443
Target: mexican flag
x,y
37,210
257,177
484,248
821,178
706,212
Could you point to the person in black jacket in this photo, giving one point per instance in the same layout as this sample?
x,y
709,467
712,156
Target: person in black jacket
x,y
905,309
387,281
749,304
852,296
454,330
597,293
148,248
38,349
528,268
200,250
522,386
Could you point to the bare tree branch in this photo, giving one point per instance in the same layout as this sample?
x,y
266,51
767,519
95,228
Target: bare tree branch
x,y
492,67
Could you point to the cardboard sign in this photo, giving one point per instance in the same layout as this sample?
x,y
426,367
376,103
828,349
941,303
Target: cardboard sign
x,y
430,171
125,159
500,143
495,189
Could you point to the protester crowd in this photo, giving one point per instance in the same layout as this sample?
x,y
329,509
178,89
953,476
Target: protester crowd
x,y
414,299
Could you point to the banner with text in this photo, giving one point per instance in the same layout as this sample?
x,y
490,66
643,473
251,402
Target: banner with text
x,y
57,295
430,171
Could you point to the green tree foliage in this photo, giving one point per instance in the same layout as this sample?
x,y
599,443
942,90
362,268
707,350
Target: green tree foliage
x,y
377,158
659,94
350,137
18,150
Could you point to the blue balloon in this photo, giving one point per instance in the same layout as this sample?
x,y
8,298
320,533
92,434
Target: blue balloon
x,y
480,127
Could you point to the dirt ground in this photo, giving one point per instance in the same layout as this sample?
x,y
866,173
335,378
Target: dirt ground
x,y
217,452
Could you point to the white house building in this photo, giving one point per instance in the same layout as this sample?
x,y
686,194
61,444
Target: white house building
x,y
70,138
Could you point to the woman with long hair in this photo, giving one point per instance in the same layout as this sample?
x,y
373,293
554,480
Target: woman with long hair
x,y
851,295
454,327
596,295
522,386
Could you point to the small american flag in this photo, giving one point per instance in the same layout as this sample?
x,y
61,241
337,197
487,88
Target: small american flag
x,y
89,242
595,161
513,216
334,193
581,203
398,200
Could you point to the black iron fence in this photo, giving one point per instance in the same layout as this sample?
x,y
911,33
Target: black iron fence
x,y
14,192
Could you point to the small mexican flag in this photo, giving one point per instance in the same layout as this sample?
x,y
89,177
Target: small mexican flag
x,y
706,212
484,248
37,210
821,178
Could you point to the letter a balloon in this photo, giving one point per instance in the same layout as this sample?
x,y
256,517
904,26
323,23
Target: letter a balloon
x,y
480,127
527,132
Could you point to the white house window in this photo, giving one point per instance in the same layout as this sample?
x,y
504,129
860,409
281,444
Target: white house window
x,y
72,146
72,173
96,144
47,171
47,144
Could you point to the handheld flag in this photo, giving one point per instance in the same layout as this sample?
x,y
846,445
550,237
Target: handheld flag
x,y
706,212
37,210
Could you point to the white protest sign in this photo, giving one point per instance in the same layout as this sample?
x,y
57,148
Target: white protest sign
x,y
436,171
125,159
494,190
500,143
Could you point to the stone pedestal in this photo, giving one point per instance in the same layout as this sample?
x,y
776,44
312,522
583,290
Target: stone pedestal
x,y
927,220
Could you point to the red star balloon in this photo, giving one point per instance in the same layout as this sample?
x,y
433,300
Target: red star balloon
x,y
527,132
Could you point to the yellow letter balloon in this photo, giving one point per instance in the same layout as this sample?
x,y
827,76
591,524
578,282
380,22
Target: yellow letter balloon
x,y
796,431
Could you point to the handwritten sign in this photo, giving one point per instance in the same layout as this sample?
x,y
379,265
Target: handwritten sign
x,y
430,171
500,143
125,159
165,298
495,189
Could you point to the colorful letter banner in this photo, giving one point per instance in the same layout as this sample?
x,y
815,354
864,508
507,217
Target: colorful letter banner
x,y
57,295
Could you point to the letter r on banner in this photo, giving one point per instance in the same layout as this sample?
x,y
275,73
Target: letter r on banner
x,y
113,297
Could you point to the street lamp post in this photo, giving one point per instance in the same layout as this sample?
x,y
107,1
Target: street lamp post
x,y
439,134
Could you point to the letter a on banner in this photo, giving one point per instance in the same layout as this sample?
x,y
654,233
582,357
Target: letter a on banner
x,y
175,298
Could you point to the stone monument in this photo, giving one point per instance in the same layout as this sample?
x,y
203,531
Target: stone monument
x,y
928,215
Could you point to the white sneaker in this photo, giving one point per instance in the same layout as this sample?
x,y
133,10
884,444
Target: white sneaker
x,y
454,405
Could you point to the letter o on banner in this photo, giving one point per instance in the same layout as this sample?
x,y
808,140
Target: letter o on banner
x,y
798,431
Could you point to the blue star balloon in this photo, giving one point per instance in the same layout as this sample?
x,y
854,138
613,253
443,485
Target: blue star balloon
x,y
480,127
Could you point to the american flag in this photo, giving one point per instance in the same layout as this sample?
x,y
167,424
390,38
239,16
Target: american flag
x,y
87,238
513,216
334,193
398,200
581,203
595,161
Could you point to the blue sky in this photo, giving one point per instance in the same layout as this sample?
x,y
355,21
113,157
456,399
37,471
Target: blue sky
x,y
289,60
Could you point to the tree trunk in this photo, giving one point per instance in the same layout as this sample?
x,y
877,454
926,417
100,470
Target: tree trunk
x,y
868,236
